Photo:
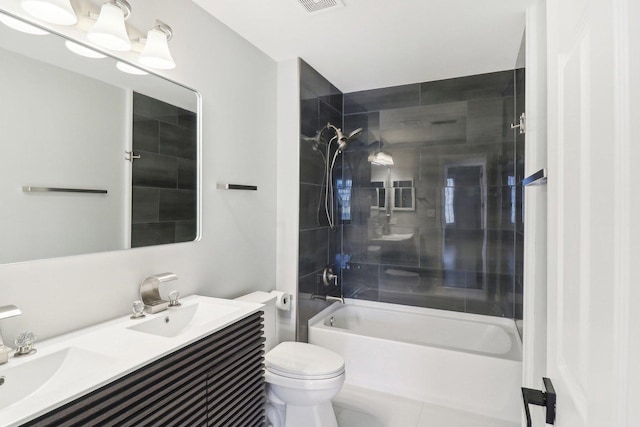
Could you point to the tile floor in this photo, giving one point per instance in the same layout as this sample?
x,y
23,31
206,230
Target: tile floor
x,y
360,407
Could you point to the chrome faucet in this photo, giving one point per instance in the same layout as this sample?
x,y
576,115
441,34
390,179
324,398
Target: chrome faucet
x,y
6,312
150,292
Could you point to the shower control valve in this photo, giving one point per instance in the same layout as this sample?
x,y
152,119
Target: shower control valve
x,y
328,276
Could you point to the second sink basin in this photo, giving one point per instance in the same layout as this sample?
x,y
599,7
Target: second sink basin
x,y
175,321
27,378
395,237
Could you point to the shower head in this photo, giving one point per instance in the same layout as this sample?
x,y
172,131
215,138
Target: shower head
x,y
344,140
356,133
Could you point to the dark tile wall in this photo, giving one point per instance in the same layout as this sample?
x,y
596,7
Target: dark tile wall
x,y
459,243
163,206
320,103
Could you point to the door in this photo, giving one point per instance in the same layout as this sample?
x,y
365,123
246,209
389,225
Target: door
x,y
592,332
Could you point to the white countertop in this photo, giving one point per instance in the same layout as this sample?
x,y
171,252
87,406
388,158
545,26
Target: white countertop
x,y
100,354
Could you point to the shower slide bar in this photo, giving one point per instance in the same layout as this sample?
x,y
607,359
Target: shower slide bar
x,y
30,189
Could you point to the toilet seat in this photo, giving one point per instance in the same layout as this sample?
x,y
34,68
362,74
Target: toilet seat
x,y
304,361
303,384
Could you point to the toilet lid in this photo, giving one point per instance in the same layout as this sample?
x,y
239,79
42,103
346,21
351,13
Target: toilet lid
x,y
304,361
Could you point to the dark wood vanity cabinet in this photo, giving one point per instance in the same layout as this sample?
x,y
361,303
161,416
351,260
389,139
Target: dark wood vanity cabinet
x,y
215,381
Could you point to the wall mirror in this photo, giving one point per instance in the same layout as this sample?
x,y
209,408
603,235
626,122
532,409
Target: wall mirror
x,y
93,158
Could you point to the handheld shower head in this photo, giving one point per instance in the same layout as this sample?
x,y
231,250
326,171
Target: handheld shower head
x,y
315,141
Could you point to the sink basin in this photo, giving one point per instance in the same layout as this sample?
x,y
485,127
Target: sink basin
x,y
72,365
176,321
27,378
394,237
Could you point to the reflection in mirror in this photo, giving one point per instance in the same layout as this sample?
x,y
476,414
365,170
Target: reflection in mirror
x,y
404,195
436,206
71,120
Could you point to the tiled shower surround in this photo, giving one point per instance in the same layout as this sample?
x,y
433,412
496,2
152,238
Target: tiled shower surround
x,y
320,103
442,227
164,177
448,239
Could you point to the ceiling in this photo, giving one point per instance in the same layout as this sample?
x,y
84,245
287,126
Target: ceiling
x,y
378,43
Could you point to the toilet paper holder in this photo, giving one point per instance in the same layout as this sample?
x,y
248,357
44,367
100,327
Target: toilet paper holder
x,y
283,300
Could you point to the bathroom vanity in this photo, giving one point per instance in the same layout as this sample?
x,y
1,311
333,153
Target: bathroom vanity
x,y
199,364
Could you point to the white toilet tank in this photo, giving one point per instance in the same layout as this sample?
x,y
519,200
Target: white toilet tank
x,y
269,301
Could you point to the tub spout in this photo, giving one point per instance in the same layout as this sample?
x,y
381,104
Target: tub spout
x,y
327,298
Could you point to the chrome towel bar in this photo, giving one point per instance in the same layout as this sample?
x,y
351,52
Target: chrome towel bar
x,y
30,189
236,187
537,178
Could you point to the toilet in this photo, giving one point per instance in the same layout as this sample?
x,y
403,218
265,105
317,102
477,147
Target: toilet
x,y
301,378
301,381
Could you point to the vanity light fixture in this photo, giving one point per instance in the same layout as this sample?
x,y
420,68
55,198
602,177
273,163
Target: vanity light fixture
x,y
53,11
78,49
156,52
381,158
109,30
21,26
130,69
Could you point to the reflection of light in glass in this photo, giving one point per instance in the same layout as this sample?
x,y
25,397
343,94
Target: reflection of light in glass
x,y
511,181
54,11
449,217
21,26
130,69
78,49
381,158
344,197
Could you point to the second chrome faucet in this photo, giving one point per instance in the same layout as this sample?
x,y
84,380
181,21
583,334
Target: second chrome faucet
x,y
150,292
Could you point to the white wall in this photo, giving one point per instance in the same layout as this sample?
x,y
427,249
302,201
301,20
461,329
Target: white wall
x,y
86,153
288,191
237,251
535,250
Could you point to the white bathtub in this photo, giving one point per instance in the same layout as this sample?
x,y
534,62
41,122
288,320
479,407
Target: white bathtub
x,y
460,360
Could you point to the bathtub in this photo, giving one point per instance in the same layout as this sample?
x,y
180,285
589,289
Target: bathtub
x,y
464,361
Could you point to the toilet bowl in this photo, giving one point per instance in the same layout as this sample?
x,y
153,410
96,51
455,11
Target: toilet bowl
x,y
301,381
